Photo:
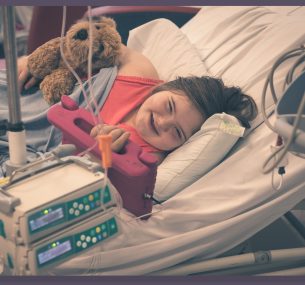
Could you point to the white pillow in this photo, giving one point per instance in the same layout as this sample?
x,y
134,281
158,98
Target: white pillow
x,y
203,151
168,49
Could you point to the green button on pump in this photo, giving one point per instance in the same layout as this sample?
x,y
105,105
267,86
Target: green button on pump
x,y
2,231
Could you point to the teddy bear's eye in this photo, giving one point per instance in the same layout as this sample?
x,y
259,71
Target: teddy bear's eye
x,y
97,27
81,35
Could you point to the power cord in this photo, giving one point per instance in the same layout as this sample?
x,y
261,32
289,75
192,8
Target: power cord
x,y
279,152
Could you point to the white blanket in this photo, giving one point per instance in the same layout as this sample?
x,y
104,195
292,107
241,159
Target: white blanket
x,y
208,218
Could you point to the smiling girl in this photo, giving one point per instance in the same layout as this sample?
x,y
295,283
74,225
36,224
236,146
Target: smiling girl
x,y
159,116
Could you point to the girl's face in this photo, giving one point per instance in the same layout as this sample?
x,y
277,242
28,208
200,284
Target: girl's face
x,y
167,119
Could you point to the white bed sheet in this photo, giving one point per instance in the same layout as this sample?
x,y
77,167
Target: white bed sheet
x,y
241,43
207,219
221,210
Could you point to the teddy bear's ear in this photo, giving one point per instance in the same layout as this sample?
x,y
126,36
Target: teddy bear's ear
x,y
108,21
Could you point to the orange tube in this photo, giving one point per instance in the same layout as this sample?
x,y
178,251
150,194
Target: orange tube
x,y
105,149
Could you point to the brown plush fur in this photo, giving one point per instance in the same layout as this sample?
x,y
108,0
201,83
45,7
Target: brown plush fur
x,y
45,62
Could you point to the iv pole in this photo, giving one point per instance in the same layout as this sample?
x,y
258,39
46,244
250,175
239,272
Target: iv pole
x,y
15,127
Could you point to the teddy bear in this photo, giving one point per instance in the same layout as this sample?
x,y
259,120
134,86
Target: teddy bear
x,y
46,63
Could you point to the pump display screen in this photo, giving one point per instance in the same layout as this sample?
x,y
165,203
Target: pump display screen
x,y
53,251
46,219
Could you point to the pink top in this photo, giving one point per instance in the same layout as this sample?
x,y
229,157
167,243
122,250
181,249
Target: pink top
x,y
126,94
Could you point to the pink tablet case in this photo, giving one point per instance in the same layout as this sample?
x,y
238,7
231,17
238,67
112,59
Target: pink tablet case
x,y
133,172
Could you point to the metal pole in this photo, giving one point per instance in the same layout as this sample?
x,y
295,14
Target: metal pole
x,y
16,132
11,64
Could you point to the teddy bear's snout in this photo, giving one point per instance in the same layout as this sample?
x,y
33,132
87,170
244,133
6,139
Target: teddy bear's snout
x,y
81,35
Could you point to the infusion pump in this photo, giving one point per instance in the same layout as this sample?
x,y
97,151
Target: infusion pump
x,y
54,211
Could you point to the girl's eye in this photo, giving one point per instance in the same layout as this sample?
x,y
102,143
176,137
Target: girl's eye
x,y
170,107
178,133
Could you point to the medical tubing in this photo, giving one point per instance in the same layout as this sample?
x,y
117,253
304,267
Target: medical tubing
x,y
99,120
104,188
279,61
286,82
263,106
269,81
143,216
289,74
293,68
89,65
91,96
70,67
276,188
120,203
87,149
285,148
88,102
301,155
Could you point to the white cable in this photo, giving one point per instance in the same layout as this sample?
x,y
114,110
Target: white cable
x,y
140,217
69,66
269,81
284,149
88,102
91,93
276,188
89,73
92,99
301,155
86,151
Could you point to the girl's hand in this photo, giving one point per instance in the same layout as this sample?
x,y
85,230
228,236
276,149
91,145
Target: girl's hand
x,y
25,80
119,136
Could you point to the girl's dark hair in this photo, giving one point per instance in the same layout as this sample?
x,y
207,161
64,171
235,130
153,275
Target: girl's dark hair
x,y
211,96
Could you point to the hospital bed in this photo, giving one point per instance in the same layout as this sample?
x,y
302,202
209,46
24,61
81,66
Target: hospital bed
x,y
231,220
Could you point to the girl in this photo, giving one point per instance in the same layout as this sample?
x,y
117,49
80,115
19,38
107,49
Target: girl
x,y
159,116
